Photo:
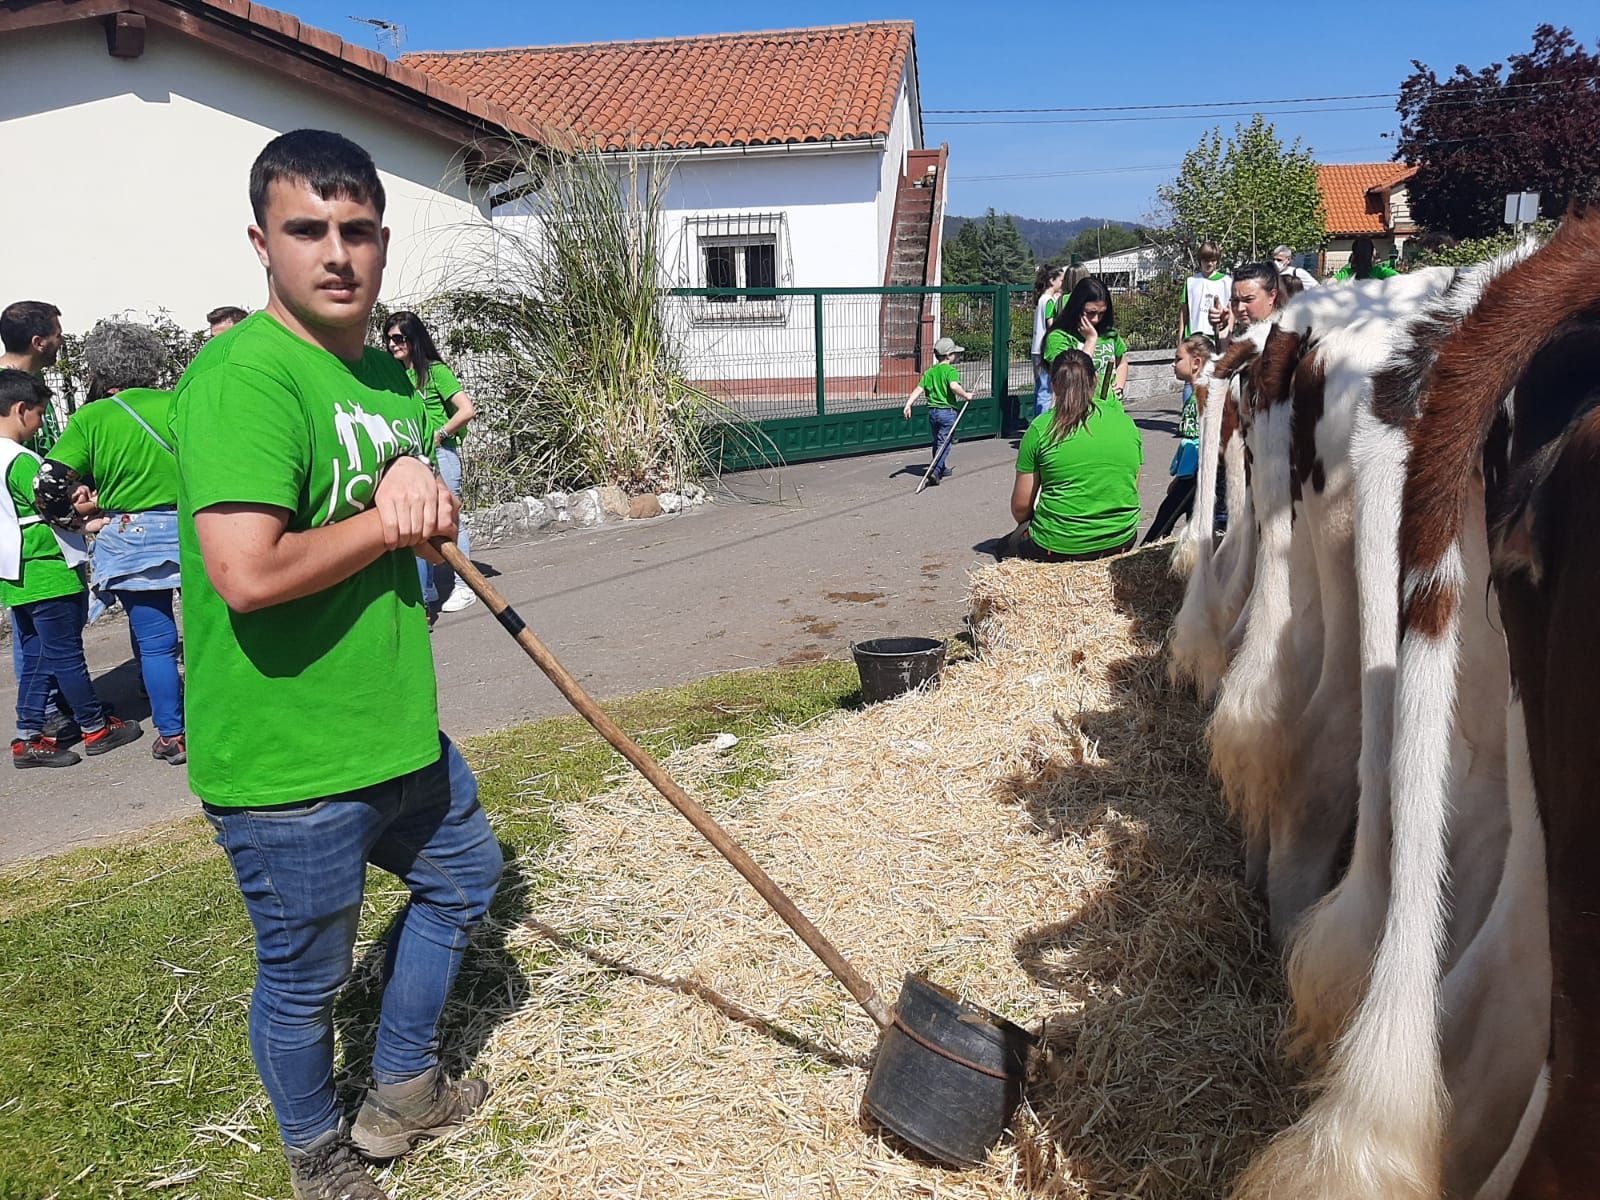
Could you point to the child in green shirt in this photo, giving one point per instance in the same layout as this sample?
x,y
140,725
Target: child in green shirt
x,y
40,583
939,383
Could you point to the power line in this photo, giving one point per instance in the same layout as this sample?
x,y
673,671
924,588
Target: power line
x,y
1270,112
1113,108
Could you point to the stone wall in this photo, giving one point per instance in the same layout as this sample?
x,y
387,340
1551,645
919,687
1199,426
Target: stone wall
x,y
1150,377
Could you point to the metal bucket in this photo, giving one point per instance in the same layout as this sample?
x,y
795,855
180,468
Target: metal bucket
x,y
890,667
948,1076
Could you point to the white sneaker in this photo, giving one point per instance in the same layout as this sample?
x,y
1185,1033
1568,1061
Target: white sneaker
x,y
461,596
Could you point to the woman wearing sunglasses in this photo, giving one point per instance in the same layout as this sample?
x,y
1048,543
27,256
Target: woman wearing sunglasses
x,y
449,412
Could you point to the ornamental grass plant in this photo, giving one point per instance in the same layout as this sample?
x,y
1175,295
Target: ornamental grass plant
x,y
558,317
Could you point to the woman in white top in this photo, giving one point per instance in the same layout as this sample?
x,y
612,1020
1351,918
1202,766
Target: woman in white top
x,y
1046,295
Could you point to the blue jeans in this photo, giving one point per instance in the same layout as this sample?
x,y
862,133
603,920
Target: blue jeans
x,y
155,645
49,634
941,421
301,871
437,579
1043,397
52,704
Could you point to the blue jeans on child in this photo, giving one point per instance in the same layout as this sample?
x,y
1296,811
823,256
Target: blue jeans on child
x,y
301,871
941,421
49,636
1043,397
438,579
52,704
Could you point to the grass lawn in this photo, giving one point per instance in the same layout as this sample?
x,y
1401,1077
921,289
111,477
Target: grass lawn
x,y
125,972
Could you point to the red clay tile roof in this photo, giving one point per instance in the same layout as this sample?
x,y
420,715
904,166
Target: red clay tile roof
x,y
1344,195
283,31
736,89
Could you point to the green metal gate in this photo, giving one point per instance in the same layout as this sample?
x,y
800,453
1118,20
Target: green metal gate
x,y
809,373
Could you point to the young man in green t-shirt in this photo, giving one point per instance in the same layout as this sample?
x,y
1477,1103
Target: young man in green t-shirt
x,y
313,737
939,383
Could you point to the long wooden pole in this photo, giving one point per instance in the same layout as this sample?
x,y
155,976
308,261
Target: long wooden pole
x,y
664,783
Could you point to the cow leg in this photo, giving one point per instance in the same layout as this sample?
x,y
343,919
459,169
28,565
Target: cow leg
x,y
1496,1002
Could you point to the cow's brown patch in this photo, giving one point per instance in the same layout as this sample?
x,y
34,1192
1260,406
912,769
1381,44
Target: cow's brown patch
x,y
1310,387
1274,373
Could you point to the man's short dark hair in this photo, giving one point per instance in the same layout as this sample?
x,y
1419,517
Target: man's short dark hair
x,y
332,165
25,320
227,312
20,387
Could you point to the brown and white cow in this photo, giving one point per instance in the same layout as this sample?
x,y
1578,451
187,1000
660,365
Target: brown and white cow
x,y
1379,1127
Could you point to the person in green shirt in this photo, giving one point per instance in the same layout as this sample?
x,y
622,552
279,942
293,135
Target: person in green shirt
x,y
114,462
30,340
1077,485
941,387
1362,264
304,495
1087,322
449,411
40,583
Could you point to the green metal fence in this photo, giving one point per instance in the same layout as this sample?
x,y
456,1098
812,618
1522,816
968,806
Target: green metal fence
x,y
819,372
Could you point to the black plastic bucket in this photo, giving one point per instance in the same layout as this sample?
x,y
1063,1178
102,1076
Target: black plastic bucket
x,y
890,667
948,1076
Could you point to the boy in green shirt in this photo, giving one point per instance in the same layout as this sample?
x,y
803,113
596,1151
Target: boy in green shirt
x,y
939,383
45,593
304,495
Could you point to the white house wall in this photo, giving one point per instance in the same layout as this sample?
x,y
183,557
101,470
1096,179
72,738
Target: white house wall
x,y
890,172
127,178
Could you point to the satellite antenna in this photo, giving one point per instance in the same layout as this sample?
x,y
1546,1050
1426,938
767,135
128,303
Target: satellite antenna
x,y
391,34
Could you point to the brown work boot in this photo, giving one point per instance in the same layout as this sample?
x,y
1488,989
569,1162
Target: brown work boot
x,y
329,1169
396,1116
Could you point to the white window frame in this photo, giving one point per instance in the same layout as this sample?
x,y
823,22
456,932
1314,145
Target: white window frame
x,y
739,232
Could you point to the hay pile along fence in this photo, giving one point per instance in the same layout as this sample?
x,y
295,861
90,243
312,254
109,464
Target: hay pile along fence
x,y
1038,834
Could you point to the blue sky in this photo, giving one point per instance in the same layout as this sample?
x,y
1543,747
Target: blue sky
x,y
986,55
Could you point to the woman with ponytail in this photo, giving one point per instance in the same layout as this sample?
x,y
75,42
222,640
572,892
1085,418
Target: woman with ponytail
x,y
1076,495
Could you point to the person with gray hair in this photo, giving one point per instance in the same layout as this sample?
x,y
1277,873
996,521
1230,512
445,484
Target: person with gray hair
x,y
1283,259
114,468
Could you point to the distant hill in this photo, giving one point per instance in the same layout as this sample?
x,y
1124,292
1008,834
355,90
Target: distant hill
x,y
1044,238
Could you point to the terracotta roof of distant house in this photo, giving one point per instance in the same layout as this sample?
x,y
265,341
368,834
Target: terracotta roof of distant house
x,y
835,83
1344,194
280,40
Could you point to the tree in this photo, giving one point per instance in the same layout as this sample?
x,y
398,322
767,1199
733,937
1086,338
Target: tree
x,y
988,250
1092,243
1478,135
1247,193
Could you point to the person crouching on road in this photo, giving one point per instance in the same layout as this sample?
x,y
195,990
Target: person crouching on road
x,y
1076,495
304,498
116,457
939,383
40,581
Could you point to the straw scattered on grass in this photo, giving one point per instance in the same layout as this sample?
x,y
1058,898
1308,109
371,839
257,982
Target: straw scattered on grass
x,y
1038,833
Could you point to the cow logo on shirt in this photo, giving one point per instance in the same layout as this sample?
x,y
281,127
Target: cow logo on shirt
x,y
367,441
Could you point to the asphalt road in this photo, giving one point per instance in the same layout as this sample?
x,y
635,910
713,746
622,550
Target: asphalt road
x,y
784,567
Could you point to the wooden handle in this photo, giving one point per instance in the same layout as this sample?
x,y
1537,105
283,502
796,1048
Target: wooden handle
x,y
663,783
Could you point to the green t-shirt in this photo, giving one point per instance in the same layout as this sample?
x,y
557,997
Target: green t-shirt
x,y
43,573
935,384
1108,348
132,472
1379,271
1088,481
442,384
334,691
49,431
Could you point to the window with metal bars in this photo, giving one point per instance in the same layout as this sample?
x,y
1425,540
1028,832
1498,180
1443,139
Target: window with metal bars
x,y
746,250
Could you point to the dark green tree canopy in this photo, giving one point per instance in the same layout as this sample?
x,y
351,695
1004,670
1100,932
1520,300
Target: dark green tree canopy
x,y
1531,124
989,250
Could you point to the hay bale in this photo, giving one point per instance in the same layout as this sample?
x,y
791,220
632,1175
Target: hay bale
x,y
1038,834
